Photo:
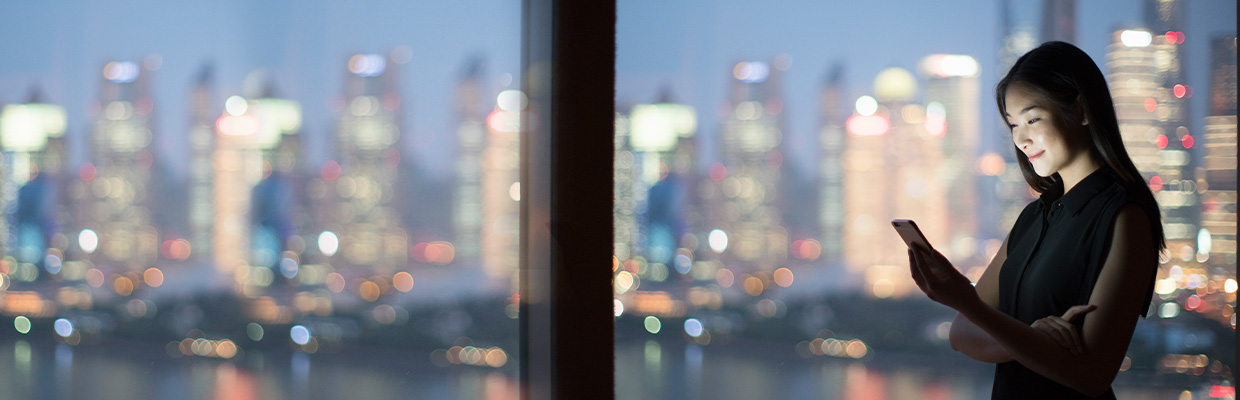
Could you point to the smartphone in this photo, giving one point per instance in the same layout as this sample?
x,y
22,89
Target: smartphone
x,y
911,235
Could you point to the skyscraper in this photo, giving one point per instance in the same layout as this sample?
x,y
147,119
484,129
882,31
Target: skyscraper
x,y
501,186
833,110
1059,20
1218,199
951,98
892,164
361,180
116,202
752,131
203,114
31,144
1153,124
471,140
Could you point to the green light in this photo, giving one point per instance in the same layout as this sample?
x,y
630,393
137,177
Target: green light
x,y
653,325
22,324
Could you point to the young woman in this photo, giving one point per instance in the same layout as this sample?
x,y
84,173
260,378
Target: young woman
x,y
1057,306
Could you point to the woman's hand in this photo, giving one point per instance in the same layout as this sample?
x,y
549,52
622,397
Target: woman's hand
x,y
1062,330
941,281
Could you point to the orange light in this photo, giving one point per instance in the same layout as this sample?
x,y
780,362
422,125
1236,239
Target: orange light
x,y
335,282
753,286
725,278
368,290
153,277
783,277
403,282
122,286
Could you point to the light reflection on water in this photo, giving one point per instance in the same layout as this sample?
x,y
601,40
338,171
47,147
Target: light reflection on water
x,y
660,370
46,370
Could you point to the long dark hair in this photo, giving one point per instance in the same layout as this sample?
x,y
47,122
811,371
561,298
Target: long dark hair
x,y
1069,79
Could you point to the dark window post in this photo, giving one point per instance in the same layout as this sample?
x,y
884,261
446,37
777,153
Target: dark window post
x,y
567,323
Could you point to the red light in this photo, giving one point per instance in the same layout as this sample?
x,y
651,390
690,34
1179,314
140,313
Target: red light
x,y
1188,141
868,125
144,159
1179,91
1226,392
34,170
87,172
935,125
774,106
796,250
391,157
1161,141
1171,37
1189,93
330,170
1179,38
1151,104
718,172
1156,183
774,159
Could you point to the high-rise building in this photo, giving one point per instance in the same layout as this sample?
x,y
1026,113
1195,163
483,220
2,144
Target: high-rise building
x,y
1059,20
1218,199
471,141
32,151
362,210
952,113
658,165
116,199
501,186
748,176
892,167
203,113
832,113
1152,121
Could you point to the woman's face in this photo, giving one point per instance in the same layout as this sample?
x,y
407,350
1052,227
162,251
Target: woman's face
x,y
1037,132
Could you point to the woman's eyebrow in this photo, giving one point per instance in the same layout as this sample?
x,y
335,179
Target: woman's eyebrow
x,y
1025,110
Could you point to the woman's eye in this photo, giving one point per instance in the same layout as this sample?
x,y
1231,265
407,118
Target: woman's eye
x,y
1034,120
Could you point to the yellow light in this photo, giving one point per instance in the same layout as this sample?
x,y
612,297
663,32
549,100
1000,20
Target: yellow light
x,y
753,286
1164,286
403,282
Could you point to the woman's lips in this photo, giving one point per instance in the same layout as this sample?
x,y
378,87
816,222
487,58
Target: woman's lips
x,y
1036,155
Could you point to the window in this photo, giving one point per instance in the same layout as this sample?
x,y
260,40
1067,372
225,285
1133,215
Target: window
x,y
761,150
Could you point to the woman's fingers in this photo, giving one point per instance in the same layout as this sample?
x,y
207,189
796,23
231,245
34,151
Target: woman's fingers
x,y
1045,327
1069,332
917,277
1076,311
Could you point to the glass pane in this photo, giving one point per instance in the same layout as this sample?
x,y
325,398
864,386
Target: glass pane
x,y
277,200
762,149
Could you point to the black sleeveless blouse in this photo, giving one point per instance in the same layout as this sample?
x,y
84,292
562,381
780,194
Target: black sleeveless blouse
x,y
1055,252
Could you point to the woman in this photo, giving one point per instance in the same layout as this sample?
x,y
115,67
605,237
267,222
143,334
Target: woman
x,y
1057,306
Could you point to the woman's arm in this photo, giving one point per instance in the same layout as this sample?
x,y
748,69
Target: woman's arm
x,y
1118,295
966,337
